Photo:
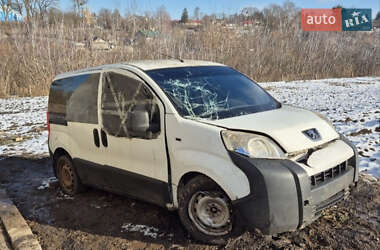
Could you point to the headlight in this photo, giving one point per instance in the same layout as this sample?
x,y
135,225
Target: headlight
x,y
325,119
251,145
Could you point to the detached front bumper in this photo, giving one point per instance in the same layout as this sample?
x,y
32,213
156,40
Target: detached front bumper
x,y
282,195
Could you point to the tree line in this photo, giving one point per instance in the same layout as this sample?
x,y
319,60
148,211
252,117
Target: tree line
x,y
42,12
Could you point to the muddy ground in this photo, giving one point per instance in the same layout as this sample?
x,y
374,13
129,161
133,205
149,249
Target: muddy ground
x,y
95,219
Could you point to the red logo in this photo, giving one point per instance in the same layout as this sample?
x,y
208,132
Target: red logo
x,y
321,19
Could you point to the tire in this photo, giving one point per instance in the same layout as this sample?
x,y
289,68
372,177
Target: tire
x,y
67,176
206,211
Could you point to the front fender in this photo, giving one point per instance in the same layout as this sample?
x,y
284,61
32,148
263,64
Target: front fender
x,y
220,169
354,161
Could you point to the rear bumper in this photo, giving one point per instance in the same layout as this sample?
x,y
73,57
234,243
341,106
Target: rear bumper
x,y
282,197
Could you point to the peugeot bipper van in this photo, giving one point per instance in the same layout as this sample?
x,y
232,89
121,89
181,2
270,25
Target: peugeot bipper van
x,y
197,137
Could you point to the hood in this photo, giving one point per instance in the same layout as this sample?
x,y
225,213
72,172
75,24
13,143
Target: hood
x,y
284,125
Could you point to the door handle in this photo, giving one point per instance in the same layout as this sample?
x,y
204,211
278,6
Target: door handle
x,y
96,137
104,138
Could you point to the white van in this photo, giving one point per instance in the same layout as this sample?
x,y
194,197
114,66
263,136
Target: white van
x,y
201,138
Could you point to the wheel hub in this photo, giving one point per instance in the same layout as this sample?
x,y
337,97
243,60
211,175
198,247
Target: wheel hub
x,y
210,212
67,176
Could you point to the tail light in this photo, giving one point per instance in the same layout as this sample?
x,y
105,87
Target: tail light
x,y
48,122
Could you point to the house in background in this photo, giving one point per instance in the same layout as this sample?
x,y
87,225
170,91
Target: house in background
x,y
145,35
11,16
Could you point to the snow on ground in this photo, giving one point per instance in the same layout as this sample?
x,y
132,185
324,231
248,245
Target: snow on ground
x,y
23,127
352,104
146,230
46,183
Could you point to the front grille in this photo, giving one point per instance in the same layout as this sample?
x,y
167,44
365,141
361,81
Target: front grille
x,y
329,174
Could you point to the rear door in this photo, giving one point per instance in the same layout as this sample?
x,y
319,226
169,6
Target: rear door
x,y
133,163
73,115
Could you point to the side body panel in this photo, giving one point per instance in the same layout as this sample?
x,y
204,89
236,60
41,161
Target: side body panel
x,y
128,165
71,124
197,147
144,156
133,166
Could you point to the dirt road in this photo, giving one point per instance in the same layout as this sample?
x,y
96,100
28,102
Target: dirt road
x,y
99,220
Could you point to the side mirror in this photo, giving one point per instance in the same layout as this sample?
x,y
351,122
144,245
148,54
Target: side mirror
x,y
138,121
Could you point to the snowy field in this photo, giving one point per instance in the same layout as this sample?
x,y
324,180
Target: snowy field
x,y
352,104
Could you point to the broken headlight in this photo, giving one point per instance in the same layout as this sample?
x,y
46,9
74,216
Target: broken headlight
x,y
251,145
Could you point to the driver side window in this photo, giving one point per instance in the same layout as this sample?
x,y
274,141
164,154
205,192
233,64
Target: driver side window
x,y
122,95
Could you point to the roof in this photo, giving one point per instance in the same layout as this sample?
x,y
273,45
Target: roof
x,y
145,65
160,64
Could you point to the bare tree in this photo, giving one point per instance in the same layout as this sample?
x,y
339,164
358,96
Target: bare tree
x,y
30,8
78,5
131,15
27,6
105,18
44,5
17,5
162,17
54,15
249,11
33,8
116,17
6,7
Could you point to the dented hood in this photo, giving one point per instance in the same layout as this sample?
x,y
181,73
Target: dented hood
x,y
284,125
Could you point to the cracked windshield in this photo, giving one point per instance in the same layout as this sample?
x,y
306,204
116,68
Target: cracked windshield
x,y
212,92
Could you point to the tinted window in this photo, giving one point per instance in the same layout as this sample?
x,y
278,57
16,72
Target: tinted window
x,y
75,98
122,95
212,92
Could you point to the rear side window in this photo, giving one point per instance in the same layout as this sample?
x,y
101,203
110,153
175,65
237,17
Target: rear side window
x,y
122,95
75,99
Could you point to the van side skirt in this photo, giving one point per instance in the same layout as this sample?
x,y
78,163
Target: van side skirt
x,y
122,182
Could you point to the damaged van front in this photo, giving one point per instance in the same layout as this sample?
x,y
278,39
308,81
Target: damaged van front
x,y
295,162
296,168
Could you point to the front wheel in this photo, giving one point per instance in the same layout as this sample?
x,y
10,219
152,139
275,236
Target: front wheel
x,y
206,211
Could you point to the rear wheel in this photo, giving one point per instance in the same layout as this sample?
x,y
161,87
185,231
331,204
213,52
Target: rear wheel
x,y
206,211
68,179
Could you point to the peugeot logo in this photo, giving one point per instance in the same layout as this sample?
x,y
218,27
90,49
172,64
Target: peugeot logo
x,y
312,134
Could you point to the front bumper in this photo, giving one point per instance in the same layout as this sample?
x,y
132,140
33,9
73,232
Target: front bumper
x,y
282,197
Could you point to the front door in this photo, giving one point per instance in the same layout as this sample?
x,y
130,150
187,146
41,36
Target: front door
x,y
134,160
